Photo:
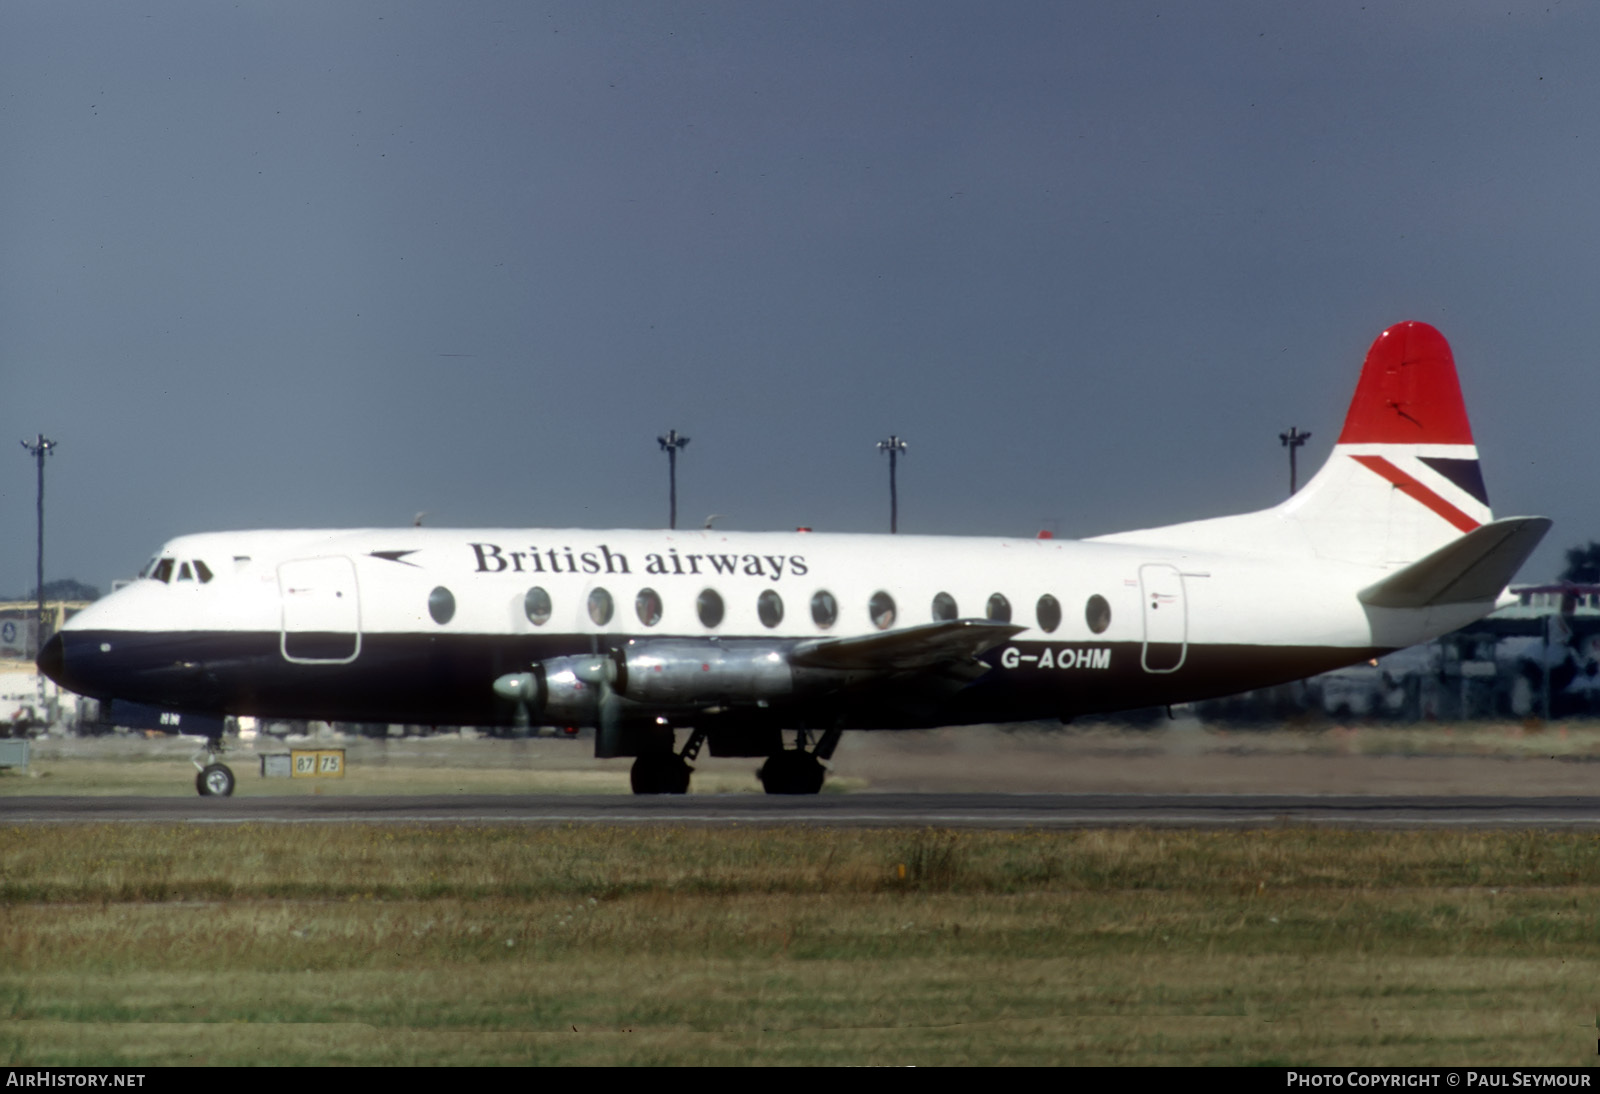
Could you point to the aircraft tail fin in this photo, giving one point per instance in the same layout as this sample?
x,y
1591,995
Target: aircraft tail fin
x,y
1403,478
1402,481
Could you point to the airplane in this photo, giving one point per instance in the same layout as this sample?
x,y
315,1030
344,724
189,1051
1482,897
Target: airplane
x,y
740,641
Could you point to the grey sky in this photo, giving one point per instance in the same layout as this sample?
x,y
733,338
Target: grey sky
x,y
282,265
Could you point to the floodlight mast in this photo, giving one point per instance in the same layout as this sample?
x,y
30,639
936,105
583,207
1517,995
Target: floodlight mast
x,y
670,443
894,446
40,447
1293,440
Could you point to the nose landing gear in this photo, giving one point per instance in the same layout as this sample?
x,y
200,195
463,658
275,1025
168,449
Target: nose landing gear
x,y
215,779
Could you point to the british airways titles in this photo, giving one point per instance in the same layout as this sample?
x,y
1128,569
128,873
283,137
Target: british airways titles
x,y
494,559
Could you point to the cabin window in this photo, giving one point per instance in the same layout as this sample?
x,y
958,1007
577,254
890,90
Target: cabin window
x,y
769,606
648,605
600,607
442,605
202,570
881,609
1048,611
536,605
999,609
824,609
944,608
709,606
1098,614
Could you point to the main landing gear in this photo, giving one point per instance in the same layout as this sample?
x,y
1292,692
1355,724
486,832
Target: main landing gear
x,y
660,773
792,771
667,772
215,779
797,770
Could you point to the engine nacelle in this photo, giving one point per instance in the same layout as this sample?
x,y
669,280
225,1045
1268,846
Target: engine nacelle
x,y
688,672
564,690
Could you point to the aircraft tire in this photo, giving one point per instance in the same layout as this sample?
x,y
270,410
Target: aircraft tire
x,y
792,772
667,773
215,781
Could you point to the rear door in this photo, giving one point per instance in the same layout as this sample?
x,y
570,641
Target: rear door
x,y
1166,618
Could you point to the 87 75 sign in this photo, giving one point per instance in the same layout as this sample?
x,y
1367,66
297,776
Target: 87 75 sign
x,y
326,763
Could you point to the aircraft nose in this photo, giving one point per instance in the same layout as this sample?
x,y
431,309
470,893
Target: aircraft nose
x,y
53,659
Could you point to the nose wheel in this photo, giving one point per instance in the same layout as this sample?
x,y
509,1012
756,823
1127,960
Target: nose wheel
x,y
214,780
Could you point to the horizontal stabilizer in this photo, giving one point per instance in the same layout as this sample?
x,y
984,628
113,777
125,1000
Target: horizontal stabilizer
x,y
929,646
1476,567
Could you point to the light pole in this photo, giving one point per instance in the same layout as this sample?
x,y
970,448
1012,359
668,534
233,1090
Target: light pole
x,y
894,446
1293,440
670,443
39,448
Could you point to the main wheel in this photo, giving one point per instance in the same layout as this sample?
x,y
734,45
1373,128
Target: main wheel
x,y
662,773
792,772
215,781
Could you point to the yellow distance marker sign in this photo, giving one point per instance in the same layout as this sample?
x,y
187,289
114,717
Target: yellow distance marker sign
x,y
317,763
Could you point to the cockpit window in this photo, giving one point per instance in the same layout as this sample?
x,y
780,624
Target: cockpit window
x,y
163,570
185,573
204,571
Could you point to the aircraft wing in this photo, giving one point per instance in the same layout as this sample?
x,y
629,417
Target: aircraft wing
x,y
1475,567
930,646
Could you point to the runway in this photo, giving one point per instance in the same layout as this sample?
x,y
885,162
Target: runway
x,y
872,810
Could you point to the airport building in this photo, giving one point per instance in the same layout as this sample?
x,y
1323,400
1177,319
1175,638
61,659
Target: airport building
x,y
28,701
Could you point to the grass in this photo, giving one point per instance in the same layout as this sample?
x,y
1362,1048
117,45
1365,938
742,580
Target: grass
x,y
140,945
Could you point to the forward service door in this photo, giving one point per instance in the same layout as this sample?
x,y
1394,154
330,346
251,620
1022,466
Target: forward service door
x,y
321,610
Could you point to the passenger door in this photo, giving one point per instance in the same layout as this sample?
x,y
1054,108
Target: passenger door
x,y
1166,618
321,610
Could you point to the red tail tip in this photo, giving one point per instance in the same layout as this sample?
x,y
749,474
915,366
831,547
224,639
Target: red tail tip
x,y
1408,392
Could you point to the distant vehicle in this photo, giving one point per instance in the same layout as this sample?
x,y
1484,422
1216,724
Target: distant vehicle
x,y
736,639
